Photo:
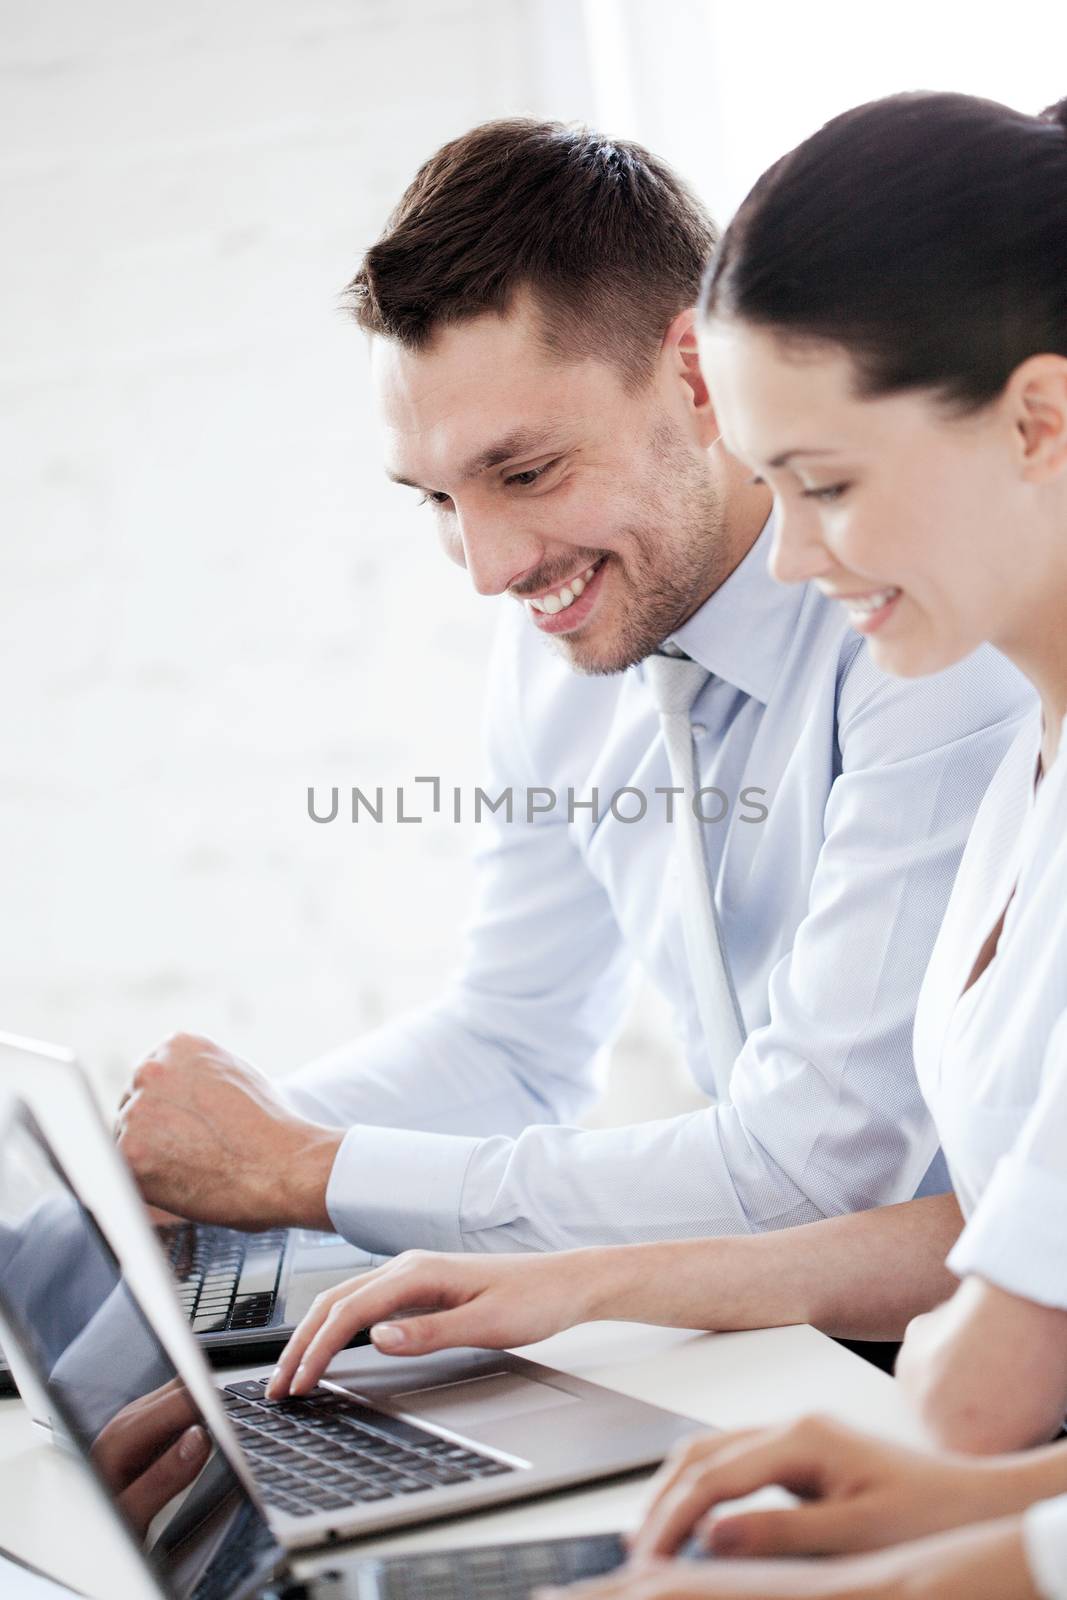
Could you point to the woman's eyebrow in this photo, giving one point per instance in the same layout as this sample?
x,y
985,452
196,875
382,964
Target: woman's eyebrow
x,y
798,450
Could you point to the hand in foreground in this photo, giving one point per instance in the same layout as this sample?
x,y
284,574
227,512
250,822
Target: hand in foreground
x,y
208,1138
150,1451
490,1302
858,1493
965,1564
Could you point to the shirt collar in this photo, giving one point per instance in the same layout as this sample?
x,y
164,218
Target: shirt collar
x,y
741,633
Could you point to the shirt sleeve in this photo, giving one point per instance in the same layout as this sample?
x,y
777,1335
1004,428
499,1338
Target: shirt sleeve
x,y
1015,1236
1045,1542
825,1113
523,1028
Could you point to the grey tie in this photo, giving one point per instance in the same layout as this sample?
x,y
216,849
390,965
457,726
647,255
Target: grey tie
x,y
675,682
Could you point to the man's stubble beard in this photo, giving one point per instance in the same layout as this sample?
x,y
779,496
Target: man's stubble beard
x,y
661,587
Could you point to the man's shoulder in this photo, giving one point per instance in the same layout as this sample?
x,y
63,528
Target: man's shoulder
x,y
984,691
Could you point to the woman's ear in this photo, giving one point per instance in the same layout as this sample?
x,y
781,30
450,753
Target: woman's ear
x,y
683,358
1037,394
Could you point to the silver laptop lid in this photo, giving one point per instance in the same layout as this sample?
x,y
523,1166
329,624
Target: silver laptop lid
x,y
67,1307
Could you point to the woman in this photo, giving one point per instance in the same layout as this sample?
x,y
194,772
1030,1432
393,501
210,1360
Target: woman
x,y
885,341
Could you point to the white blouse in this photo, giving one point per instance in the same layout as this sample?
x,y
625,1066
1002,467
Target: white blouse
x,y
992,1062
1045,1543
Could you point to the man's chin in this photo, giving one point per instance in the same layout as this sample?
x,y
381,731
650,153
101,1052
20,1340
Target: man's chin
x,y
597,657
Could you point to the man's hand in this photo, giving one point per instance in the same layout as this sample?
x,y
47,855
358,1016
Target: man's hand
x,y
490,1302
208,1138
857,1492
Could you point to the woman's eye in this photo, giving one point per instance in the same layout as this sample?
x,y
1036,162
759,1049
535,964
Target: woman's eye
x,y
828,495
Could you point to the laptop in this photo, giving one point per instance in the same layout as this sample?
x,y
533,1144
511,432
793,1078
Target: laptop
x,y
379,1444
243,1293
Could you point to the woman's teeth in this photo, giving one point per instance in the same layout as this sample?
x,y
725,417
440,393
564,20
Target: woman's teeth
x,y
867,605
560,599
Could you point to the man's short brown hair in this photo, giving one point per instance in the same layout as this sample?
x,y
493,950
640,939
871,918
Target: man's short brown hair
x,y
603,235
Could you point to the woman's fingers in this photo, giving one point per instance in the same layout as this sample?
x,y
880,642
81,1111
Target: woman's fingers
x,y
628,1583
685,1457
139,1432
730,1580
743,1464
408,1283
356,1294
411,1336
174,1471
827,1527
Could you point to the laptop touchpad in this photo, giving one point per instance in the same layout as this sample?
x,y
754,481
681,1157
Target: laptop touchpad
x,y
473,1402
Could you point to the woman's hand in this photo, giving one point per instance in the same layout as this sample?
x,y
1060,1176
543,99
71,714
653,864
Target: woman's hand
x,y
150,1451
962,1565
490,1302
857,1493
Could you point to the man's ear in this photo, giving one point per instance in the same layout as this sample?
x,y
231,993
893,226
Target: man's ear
x,y
1037,396
683,358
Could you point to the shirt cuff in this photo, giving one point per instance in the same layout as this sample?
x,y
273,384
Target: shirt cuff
x,y
392,1189
1045,1543
1015,1236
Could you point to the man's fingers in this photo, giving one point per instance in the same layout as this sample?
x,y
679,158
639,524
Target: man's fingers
x,y
174,1471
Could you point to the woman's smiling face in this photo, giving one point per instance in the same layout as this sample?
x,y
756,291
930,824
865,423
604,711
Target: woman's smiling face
x,y
915,518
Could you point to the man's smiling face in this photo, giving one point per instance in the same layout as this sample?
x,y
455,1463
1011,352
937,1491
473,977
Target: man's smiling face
x,y
590,502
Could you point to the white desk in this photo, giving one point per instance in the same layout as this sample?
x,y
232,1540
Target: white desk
x,y
48,1517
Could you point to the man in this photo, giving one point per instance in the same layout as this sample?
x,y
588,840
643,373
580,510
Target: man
x,y
533,355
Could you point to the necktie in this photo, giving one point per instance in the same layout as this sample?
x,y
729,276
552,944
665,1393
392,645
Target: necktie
x,y
675,682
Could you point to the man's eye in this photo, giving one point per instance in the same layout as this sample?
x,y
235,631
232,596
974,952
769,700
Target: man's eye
x,y
525,480
827,495
435,497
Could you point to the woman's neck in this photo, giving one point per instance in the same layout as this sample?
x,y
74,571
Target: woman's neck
x,y
1038,648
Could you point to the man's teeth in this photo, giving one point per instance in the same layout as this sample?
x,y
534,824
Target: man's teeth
x,y
867,605
562,598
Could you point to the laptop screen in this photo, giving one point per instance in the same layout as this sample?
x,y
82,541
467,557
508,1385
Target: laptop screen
x,y
64,1300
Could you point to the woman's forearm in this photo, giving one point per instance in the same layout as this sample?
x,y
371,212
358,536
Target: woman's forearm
x,y
862,1276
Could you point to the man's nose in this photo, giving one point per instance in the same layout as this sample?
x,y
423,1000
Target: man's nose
x,y
798,553
495,552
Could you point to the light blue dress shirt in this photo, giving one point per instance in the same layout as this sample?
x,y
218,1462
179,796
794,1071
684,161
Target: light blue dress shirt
x,y
461,1116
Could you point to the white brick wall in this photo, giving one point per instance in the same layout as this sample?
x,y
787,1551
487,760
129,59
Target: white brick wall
x,y
209,597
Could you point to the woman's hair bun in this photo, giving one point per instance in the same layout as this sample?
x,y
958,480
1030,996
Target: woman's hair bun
x,y
1056,113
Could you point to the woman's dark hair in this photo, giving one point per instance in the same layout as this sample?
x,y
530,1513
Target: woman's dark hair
x,y
925,234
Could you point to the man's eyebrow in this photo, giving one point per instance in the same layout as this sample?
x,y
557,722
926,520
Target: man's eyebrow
x,y
798,450
520,442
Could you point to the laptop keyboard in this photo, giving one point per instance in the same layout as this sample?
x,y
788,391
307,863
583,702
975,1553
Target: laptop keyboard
x,y
227,1281
324,1452
499,1572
